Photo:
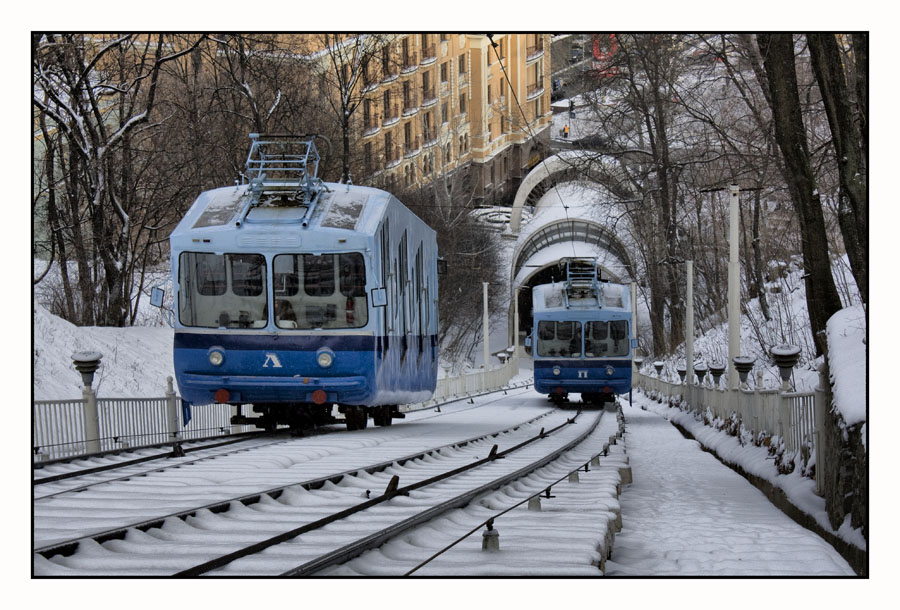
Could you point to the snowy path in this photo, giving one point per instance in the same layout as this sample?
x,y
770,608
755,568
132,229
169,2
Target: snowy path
x,y
687,514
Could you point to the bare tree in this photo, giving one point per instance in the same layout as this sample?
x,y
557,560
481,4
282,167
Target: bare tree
x,y
100,93
351,60
822,298
845,119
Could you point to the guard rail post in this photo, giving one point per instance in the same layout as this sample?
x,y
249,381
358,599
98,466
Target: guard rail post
x,y
821,409
171,409
91,421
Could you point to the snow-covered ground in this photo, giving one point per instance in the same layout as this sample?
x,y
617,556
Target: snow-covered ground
x,y
686,515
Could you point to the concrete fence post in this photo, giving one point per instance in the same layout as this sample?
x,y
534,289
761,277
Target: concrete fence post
x,y
171,410
821,410
91,421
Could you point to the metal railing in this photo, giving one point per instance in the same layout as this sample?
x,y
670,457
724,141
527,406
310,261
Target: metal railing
x,y
796,419
63,428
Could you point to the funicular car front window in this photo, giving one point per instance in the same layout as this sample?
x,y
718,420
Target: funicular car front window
x,y
604,339
333,293
559,339
222,291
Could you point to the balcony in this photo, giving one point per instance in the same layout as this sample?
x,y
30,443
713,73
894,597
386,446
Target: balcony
x,y
532,53
389,74
410,104
534,91
391,156
428,97
371,126
391,115
429,55
412,147
431,138
410,61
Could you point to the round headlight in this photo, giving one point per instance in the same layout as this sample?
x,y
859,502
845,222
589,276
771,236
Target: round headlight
x,y
216,358
556,370
324,359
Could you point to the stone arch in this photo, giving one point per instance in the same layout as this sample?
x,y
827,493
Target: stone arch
x,y
556,169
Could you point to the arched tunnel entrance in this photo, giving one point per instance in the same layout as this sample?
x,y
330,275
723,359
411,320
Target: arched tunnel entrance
x,y
539,259
546,274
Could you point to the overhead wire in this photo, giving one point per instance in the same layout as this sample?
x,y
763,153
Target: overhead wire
x,y
527,124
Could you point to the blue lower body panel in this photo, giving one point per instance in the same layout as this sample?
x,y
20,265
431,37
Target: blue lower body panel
x,y
267,368
582,376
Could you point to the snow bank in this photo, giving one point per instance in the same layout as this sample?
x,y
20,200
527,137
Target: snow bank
x,y
846,332
136,360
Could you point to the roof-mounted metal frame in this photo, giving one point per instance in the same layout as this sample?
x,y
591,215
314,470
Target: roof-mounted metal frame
x,y
283,168
581,280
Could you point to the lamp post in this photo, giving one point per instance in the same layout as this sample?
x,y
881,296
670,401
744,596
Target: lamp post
x,y
87,364
743,365
717,369
785,357
701,370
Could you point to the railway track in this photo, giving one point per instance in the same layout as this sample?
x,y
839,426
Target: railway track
x,y
214,539
183,488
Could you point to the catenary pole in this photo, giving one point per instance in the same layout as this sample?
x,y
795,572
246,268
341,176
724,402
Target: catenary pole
x,y
734,306
689,324
487,347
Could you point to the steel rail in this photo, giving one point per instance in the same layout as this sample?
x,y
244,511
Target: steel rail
x,y
177,451
162,468
391,491
69,547
354,549
99,454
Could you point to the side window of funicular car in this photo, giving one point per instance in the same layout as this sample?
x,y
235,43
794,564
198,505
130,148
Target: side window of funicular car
x,y
201,280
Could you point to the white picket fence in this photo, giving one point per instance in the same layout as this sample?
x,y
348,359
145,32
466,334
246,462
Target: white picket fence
x,y
796,418
58,426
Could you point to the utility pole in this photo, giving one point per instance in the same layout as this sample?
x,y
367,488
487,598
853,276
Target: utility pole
x,y
487,347
734,287
689,323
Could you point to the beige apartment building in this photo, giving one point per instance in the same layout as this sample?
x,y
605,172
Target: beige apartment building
x,y
440,104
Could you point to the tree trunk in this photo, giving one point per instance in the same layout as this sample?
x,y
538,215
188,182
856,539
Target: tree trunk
x,y
821,295
852,196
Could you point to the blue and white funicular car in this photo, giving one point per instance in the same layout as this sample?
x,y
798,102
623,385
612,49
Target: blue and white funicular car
x,y
295,295
582,336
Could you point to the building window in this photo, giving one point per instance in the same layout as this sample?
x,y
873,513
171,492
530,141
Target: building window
x,y
462,103
386,61
444,113
462,63
426,127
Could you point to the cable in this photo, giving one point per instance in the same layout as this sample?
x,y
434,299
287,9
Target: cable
x,y
531,134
